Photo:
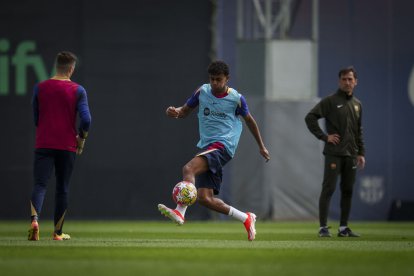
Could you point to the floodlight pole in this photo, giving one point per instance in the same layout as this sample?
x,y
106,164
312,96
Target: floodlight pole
x,y
315,40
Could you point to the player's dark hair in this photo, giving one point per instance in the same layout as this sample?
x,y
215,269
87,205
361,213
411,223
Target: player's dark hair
x,y
64,60
218,67
347,70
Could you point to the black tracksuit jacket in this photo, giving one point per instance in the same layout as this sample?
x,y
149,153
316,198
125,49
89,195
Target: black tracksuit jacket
x,y
343,115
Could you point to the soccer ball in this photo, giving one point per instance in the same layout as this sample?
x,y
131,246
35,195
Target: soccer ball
x,y
184,193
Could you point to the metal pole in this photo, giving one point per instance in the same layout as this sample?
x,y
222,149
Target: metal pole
x,y
268,20
240,19
315,42
315,20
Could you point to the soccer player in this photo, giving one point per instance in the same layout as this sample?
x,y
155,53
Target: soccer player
x,y
219,110
344,147
56,102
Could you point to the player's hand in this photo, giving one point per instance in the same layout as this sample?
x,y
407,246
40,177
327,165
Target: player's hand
x,y
360,162
80,144
333,139
265,153
172,112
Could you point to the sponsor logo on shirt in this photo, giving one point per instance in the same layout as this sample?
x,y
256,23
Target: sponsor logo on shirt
x,y
207,112
219,114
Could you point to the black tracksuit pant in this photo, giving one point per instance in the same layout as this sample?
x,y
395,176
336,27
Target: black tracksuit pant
x,y
345,167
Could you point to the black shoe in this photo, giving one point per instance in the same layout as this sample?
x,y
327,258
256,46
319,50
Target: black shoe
x,y
347,232
324,232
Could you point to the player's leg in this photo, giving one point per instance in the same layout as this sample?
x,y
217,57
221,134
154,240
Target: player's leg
x,y
348,176
42,169
194,167
331,171
347,182
205,197
64,163
209,185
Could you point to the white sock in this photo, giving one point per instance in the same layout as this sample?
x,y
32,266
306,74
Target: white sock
x,y
239,215
342,228
181,209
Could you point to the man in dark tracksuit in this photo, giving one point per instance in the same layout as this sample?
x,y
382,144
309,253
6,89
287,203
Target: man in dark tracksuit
x,y
344,147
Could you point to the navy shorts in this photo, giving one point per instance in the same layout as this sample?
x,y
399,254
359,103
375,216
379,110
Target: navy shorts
x,y
212,178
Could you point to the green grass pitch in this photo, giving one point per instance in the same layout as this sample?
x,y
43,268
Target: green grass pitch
x,y
206,248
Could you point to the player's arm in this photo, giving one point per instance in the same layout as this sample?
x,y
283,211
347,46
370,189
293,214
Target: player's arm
x,y
84,118
319,111
178,112
243,110
254,129
360,143
359,138
183,111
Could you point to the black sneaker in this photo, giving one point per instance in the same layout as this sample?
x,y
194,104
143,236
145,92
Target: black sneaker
x,y
347,232
324,233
